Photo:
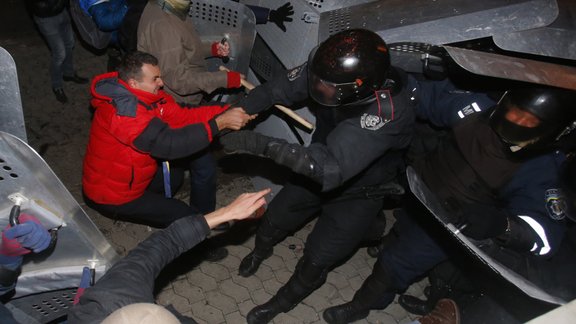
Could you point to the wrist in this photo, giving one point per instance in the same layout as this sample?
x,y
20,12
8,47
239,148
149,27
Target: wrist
x,y
11,262
234,79
216,217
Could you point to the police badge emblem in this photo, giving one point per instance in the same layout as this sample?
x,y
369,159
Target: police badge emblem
x,y
372,122
295,73
555,204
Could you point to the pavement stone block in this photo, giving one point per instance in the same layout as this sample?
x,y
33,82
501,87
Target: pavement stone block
x,y
337,279
239,251
348,270
284,251
251,283
190,292
201,280
275,262
318,300
283,275
238,292
215,270
347,293
231,262
378,317
260,296
356,282
234,318
219,300
245,307
271,286
264,272
396,311
181,304
203,311
286,318
304,313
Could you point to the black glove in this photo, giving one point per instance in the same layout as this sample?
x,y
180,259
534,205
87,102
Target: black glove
x,y
482,221
244,141
280,15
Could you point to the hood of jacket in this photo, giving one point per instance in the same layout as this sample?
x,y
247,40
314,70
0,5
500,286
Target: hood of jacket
x,y
108,88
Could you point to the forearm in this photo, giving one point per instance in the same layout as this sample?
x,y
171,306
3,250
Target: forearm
x,y
279,90
9,272
131,280
187,79
167,143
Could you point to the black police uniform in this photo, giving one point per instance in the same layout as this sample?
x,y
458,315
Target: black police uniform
x,y
354,150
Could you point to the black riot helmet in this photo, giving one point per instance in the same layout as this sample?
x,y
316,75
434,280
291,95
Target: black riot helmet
x,y
348,67
534,117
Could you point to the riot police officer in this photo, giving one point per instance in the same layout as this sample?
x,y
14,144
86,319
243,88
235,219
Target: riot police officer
x,y
363,127
497,175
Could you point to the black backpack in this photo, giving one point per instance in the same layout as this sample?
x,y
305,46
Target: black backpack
x,y
87,27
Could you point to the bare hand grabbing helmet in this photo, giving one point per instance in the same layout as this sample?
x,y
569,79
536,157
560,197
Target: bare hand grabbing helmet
x,y
534,117
348,67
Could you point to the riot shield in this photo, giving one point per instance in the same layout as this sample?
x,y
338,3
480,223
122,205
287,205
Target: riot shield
x,y
216,20
48,280
11,118
427,198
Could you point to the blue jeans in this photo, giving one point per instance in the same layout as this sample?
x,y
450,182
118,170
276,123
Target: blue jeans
x,y
57,31
203,182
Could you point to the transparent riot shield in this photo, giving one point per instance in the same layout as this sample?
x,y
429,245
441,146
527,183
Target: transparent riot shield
x,y
532,294
26,180
11,117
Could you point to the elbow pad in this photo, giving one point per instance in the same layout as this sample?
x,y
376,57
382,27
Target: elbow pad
x,y
295,157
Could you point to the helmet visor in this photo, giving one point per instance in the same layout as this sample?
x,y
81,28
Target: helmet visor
x,y
516,126
332,94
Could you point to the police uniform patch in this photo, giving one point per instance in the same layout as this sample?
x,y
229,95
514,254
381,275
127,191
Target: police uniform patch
x,y
372,122
555,204
295,73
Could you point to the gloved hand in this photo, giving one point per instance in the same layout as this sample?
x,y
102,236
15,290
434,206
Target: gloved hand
x,y
245,142
482,221
282,14
221,49
25,237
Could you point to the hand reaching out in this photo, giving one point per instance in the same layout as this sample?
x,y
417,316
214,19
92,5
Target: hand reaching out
x,y
281,15
234,119
244,206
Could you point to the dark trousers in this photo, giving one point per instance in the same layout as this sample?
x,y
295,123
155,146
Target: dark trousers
x,y
342,223
154,209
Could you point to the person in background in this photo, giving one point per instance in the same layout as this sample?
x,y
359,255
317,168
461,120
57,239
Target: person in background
x,y
54,24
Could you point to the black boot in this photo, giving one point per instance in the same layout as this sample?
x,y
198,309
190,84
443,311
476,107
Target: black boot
x,y
307,277
266,237
370,294
415,305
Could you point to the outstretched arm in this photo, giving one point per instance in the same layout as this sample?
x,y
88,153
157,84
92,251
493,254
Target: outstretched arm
x,y
131,280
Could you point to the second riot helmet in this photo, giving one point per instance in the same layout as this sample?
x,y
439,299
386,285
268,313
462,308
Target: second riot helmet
x,y
534,117
348,67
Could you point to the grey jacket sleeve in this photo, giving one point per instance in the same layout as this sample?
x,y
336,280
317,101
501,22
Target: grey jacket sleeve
x,y
131,280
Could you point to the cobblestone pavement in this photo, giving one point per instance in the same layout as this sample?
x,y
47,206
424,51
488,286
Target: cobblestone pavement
x,y
209,292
